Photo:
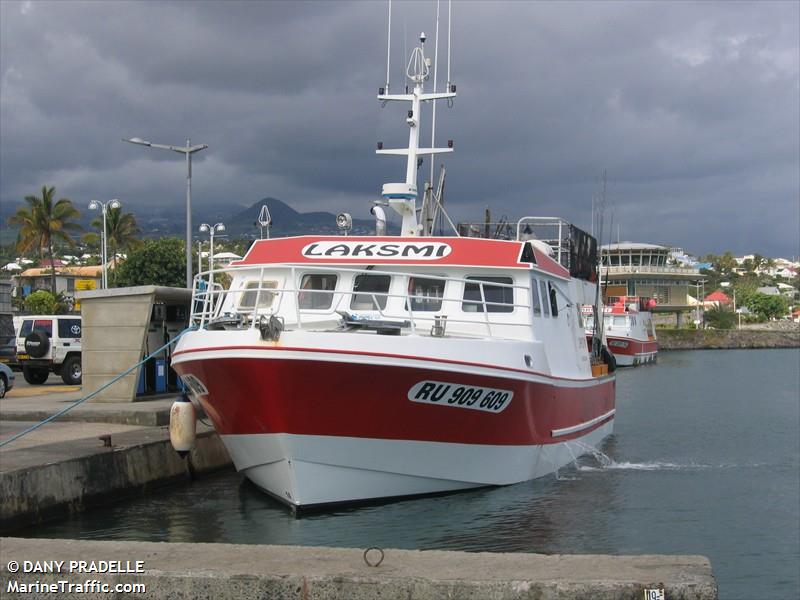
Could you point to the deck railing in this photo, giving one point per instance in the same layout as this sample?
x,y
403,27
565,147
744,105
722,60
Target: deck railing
x,y
214,304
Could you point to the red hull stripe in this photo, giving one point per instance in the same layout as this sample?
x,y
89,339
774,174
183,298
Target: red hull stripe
x,y
306,397
446,361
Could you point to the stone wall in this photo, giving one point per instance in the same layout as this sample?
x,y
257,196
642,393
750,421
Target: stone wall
x,y
690,339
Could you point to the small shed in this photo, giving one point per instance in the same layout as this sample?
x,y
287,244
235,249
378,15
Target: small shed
x,y
120,327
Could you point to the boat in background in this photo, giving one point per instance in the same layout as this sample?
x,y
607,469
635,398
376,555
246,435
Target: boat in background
x,y
344,369
628,329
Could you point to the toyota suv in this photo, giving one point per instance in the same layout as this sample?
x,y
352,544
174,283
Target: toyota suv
x,y
50,344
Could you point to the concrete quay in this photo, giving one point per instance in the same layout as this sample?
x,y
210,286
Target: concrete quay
x,y
220,571
94,454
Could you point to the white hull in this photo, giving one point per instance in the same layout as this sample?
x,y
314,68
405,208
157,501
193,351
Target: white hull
x,y
308,470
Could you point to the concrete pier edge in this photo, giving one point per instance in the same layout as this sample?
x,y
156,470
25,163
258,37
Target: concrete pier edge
x,y
35,493
219,571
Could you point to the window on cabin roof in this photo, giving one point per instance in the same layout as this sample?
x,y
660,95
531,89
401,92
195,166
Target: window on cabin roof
x,y
498,298
372,290
426,294
265,298
316,291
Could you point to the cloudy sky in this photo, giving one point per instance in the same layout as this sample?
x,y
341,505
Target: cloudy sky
x,y
692,108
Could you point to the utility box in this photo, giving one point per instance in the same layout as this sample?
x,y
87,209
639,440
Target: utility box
x,y
123,325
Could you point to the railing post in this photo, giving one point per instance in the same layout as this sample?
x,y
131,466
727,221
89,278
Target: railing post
x,y
485,311
296,299
410,310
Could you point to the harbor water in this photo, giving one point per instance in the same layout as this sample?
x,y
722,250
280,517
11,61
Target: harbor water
x,y
705,459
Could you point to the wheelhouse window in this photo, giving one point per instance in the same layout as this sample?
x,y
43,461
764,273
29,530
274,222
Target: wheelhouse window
x,y
545,298
371,292
553,299
425,294
316,291
501,298
535,304
619,321
265,297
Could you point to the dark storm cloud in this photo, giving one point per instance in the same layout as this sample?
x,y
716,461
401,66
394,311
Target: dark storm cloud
x,y
692,108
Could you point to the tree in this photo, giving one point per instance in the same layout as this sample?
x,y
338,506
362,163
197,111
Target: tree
x,y
42,223
767,306
720,317
725,264
157,262
122,233
42,302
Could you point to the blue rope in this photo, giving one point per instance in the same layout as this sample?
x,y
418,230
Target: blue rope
x,y
93,394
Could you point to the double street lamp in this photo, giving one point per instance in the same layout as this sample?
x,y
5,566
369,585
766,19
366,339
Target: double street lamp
x,y
104,206
206,228
188,150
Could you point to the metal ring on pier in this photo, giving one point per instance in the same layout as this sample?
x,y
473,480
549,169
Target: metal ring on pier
x,y
368,561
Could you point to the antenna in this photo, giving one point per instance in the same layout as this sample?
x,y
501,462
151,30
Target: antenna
x,y
435,81
264,220
388,45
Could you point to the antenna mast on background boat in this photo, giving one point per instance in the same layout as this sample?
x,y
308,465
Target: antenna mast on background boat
x,y
402,197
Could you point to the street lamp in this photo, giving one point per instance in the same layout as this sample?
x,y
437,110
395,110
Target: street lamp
x,y
188,150
103,206
726,284
206,228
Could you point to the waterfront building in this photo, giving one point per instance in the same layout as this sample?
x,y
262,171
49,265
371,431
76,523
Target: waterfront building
x,y
645,270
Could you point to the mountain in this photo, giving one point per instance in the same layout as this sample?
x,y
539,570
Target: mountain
x,y
169,220
287,221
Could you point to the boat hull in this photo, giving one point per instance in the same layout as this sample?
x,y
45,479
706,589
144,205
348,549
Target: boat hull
x,y
630,352
311,431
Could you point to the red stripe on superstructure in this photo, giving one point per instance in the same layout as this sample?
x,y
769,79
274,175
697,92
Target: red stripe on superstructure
x,y
255,396
466,252
446,361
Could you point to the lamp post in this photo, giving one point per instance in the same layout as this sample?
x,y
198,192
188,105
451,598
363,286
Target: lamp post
x,y
206,228
188,150
104,206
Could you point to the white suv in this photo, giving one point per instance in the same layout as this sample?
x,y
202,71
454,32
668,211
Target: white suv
x,y
50,343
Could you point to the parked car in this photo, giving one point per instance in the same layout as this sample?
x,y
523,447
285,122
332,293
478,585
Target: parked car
x,y
6,380
50,344
8,342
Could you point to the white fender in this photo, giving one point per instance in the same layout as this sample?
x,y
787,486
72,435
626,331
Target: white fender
x,y
182,426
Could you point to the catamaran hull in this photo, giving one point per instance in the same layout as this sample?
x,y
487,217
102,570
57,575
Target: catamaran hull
x,y
314,432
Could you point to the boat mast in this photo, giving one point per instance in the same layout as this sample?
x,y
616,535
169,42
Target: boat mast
x,y
402,197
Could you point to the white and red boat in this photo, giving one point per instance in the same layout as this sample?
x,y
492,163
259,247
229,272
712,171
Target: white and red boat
x,y
628,329
341,369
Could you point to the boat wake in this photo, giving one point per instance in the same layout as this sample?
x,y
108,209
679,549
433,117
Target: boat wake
x,y
581,453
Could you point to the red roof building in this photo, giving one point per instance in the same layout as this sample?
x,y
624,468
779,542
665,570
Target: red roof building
x,y
717,298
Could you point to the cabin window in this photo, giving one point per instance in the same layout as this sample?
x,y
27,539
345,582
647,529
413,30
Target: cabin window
x,y
248,300
501,298
588,321
372,290
553,299
535,305
545,303
316,291
426,294
618,321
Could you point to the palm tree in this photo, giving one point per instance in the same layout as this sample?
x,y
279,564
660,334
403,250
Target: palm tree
x,y
121,232
42,222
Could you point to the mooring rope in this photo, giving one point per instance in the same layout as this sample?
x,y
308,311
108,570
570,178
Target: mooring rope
x,y
93,394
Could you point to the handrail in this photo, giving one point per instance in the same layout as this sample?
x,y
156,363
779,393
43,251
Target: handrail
x,y
209,303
